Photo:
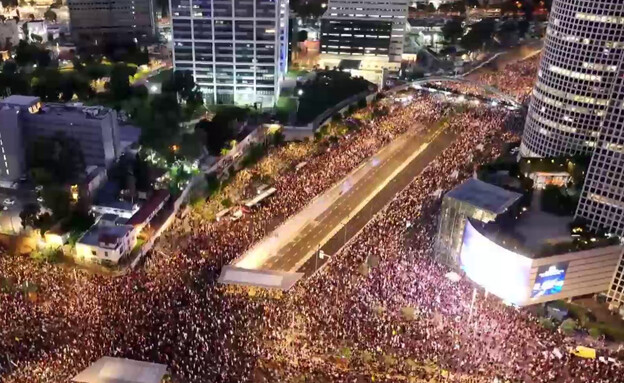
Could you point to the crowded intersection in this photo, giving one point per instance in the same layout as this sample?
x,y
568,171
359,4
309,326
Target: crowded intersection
x,y
399,320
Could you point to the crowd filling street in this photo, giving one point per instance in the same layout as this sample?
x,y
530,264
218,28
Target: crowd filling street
x,y
518,83
397,319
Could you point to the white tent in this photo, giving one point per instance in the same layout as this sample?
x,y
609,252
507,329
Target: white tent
x,y
261,278
120,370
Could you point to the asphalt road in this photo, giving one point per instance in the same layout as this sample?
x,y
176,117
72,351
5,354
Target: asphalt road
x,y
313,234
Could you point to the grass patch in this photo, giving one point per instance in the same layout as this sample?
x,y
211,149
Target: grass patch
x,y
137,247
294,73
253,156
611,332
586,320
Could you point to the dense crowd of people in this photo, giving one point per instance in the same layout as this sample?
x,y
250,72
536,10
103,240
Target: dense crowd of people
x,y
519,83
345,324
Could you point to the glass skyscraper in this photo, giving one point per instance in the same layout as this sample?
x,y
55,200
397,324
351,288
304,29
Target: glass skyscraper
x,y
577,106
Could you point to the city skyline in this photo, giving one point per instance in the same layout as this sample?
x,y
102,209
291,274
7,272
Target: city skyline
x,y
294,191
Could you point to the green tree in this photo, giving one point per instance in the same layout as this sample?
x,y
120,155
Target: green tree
x,y
160,128
58,200
78,84
29,215
452,30
458,6
191,144
430,8
568,326
41,176
96,71
44,223
79,220
9,68
327,89
50,16
480,33
9,3
119,84
547,323
141,171
183,84
302,36
47,255
47,85
595,332
217,133
25,53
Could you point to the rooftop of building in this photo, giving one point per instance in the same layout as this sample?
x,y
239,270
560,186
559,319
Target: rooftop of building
x,y
103,233
537,227
350,64
426,22
89,112
77,108
21,101
152,204
110,370
484,196
108,195
537,233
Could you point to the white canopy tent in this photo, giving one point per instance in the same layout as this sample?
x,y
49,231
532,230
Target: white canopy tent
x,y
119,370
268,279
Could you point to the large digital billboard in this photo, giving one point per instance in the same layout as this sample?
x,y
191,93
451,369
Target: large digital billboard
x,y
549,279
500,271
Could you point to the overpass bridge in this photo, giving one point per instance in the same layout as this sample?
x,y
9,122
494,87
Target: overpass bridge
x,y
489,89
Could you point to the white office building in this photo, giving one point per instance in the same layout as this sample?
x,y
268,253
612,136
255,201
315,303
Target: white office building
x,y
106,243
236,49
364,28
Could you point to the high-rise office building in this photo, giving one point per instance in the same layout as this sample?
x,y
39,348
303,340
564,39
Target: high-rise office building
x,y
577,102
25,118
236,49
98,21
580,67
365,28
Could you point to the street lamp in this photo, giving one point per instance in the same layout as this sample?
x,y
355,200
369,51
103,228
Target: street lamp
x,y
319,254
300,92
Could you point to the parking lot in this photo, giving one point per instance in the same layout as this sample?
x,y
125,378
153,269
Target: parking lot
x,y
12,202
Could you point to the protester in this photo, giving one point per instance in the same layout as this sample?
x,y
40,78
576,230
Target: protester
x,y
343,325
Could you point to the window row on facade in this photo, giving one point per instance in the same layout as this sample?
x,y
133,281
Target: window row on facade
x,y
224,8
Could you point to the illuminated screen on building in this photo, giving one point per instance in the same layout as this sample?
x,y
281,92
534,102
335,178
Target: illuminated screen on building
x,y
549,279
500,271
